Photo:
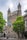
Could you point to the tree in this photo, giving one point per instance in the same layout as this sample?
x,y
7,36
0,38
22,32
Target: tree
x,y
2,22
18,25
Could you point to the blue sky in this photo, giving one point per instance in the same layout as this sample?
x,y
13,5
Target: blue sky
x,y
4,5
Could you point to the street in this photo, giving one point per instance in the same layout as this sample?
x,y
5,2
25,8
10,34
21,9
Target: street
x,y
11,39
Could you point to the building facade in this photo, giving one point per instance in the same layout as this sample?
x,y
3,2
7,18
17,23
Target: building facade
x,y
25,19
11,17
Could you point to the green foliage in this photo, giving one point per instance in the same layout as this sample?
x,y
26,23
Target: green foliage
x,y
2,22
18,25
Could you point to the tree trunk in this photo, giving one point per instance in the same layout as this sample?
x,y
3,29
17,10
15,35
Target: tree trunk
x,y
18,34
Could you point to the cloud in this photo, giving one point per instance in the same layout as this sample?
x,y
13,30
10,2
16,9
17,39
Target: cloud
x,y
24,6
4,7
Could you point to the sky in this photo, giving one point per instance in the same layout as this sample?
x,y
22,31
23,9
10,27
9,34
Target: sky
x,y
12,4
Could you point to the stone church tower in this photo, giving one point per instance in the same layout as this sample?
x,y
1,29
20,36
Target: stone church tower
x,y
11,17
9,13
19,10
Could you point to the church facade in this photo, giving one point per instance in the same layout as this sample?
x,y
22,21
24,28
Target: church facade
x,y
11,17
